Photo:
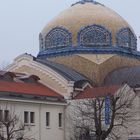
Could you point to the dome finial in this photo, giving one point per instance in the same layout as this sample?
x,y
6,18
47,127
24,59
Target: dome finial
x,y
85,1
88,0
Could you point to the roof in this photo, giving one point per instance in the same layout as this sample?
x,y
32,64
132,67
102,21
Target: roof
x,y
85,14
129,75
2,73
27,88
64,71
97,92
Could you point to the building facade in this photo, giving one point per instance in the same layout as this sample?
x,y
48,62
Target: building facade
x,y
37,107
87,45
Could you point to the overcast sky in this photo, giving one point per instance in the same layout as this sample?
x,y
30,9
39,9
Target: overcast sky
x,y
21,21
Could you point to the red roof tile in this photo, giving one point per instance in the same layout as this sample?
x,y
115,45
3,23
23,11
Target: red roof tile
x,y
27,88
97,92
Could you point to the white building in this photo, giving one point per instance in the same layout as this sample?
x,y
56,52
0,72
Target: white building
x,y
39,108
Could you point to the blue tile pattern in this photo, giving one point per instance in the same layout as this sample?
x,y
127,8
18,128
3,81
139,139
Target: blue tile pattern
x,y
89,50
94,35
91,39
125,38
58,37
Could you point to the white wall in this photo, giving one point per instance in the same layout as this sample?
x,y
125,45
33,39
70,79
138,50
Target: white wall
x,y
39,131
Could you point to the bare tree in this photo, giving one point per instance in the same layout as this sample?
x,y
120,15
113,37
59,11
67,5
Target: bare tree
x,y
11,128
103,117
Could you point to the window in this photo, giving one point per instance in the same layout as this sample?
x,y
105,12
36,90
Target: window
x,y
58,37
126,38
32,117
1,115
6,115
94,35
60,119
47,119
26,117
29,117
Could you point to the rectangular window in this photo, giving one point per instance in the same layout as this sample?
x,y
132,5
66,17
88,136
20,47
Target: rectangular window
x,y
32,117
26,117
47,119
6,115
60,119
1,115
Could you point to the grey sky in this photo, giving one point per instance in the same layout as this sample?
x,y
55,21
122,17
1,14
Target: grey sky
x,y
21,21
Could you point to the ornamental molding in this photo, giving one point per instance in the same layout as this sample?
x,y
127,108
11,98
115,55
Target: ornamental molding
x,y
125,51
33,101
28,60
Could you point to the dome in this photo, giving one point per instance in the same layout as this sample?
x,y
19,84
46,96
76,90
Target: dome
x,y
86,25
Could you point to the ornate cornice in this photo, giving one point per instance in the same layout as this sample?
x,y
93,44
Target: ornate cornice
x,y
90,50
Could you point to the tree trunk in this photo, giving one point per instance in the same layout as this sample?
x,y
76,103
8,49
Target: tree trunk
x,y
101,137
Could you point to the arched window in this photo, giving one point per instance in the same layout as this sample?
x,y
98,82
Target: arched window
x,y
94,35
125,38
58,37
41,44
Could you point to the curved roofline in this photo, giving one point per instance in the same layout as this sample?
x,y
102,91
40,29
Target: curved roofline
x,y
129,75
64,71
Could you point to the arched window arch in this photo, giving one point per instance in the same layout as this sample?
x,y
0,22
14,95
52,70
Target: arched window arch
x,y
126,38
58,37
94,35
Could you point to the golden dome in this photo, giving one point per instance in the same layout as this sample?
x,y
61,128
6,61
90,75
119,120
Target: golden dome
x,y
81,15
89,38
